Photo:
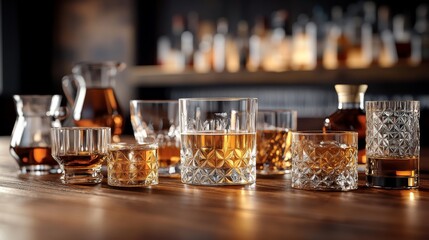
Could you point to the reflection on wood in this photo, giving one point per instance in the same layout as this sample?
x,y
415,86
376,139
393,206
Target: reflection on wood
x,y
43,208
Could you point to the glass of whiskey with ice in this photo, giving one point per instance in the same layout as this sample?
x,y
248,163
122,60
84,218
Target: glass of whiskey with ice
x,y
324,161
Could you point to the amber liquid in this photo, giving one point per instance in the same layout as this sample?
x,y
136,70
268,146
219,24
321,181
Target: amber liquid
x,y
393,172
218,159
27,156
327,166
168,156
101,109
83,160
350,120
136,167
273,154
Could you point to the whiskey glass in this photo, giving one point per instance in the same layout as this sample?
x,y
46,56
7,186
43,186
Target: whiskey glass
x,y
133,164
80,152
324,161
159,119
218,140
273,139
392,144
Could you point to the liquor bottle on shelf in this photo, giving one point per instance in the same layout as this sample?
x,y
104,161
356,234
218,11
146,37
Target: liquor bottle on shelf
x,y
350,115
170,55
188,38
304,44
202,61
359,34
387,56
337,43
257,41
277,48
402,35
243,43
421,27
219,46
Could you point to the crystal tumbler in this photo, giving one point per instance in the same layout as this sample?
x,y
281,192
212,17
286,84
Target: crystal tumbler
x,y
393,144
324,160
132,165
218,140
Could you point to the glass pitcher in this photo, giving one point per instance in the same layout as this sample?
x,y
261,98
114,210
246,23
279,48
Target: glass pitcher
x,y
30,143
90,93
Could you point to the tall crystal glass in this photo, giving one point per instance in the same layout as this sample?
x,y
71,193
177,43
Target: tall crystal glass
x,y
218,140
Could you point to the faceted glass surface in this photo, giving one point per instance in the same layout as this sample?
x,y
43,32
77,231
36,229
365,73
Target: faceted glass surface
x,y
135,165
323,164
218,159
393,144
218,140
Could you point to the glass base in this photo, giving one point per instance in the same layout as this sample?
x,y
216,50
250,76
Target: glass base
x,y
133,183
171,171
272,172
82,176
392,182
41,169
218,177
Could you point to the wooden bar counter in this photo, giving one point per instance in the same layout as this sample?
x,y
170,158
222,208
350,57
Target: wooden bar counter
x,y
41,207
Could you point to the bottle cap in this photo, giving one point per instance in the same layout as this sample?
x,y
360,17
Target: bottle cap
x,y
350,93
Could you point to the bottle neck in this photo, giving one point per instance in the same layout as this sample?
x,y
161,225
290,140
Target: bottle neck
x,y
350,105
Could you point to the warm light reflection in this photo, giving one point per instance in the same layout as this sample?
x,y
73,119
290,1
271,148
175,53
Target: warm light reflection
x,y
412,197
246,219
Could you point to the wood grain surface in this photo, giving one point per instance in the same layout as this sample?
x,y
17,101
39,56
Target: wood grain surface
x,y
41,207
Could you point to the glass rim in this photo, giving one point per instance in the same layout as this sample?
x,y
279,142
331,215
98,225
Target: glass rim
x,y
392,105
321,132
80,128
393,101
153,101
278,110
37,95
98,64
218,99
136,145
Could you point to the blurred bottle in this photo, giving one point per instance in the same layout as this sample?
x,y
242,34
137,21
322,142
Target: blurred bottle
x,y
232,51
359,32
350,115
337,43
277,48
320,18
243,43
402,35
170,55
422,29
203,58
257,42
304,44
219,46
188,38
387,56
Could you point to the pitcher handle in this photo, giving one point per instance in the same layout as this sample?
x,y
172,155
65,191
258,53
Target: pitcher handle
x,y
74,89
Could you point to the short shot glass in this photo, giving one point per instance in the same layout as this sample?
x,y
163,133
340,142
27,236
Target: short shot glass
x,y
80,152
132,164
324,161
